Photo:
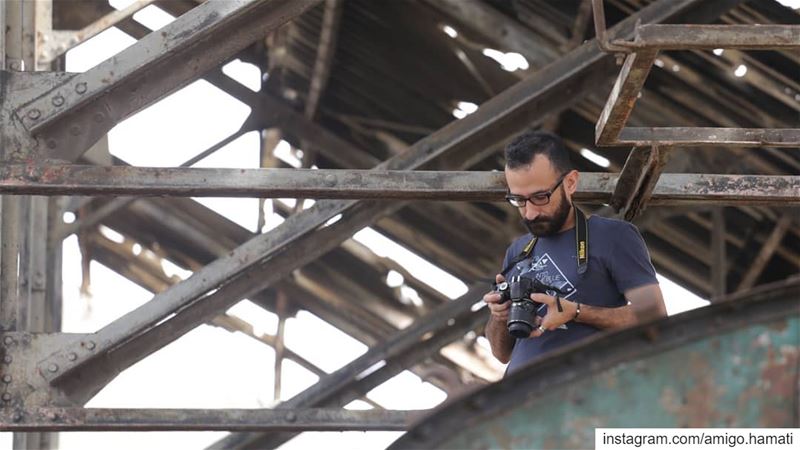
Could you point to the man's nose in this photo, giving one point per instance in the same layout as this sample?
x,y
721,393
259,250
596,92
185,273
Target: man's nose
x,y
531,211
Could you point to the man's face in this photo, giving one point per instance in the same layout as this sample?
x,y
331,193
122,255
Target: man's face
x,y
540,177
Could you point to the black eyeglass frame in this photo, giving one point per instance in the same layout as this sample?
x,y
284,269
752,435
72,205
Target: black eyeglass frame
x,y
544,195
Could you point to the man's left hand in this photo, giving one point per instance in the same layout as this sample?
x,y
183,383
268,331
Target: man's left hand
x,y
553,319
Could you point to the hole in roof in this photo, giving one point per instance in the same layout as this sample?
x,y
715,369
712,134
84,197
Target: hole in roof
x,y
450,31
463,109
740,71
510,61
595,158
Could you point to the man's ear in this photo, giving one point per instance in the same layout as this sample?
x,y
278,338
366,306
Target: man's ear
x,y
571,182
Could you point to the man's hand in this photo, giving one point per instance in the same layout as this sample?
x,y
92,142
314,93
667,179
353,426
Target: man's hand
x,y
499,310
553,319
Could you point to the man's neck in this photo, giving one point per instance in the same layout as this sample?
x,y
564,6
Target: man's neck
x,y
570,222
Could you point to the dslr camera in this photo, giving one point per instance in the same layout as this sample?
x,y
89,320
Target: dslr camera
x,y
523,311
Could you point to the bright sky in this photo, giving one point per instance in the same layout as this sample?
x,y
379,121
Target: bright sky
x,y
210,367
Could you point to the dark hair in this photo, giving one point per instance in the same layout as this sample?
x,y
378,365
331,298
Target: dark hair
x,y
523,149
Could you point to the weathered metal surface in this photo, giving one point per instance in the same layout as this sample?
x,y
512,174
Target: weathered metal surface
x,y
623,96
698,37
732,364
264,183
695,136
69,117
98,419
382,184
633,174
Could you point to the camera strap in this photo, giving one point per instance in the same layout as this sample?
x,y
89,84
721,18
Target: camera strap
x,y
581,245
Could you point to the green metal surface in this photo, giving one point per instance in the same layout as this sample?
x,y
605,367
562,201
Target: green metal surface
x,y
729,365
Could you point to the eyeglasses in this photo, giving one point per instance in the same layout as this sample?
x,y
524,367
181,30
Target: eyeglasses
x,y
538,198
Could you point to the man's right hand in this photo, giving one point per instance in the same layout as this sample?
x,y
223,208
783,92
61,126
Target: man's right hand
x,y
498,310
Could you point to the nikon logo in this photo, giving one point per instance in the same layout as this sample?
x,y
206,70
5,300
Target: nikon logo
x,y
582,249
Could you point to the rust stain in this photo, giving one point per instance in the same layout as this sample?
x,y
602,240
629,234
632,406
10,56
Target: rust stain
x,y
779,377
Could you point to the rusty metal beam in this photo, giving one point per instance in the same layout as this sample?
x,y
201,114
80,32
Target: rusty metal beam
x,y
708,37
386,184
705,136
297,420
757,266
719,263
623,96
324,59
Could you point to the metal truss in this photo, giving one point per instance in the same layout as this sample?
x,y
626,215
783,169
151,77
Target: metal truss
x,y
103,419
669,189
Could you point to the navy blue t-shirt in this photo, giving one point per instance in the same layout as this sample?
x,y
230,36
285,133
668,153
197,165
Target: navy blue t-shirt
x,y
618,261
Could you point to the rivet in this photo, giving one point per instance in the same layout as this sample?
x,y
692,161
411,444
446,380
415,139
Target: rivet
x,y
53,368
51,143
74,130
16,417
291,417
7,359
58,100
8,340
90,345
7,379
98,117
72,357
34,114
6,397
80,88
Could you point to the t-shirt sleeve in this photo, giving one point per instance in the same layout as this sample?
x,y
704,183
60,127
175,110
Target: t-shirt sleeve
x,y
630,261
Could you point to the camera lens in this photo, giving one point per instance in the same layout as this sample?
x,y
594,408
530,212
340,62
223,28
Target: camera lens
x,y
520,330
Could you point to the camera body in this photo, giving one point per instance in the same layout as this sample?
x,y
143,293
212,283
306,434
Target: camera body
x,y
518,290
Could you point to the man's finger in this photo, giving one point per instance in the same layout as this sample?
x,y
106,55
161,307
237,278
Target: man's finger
x,y
543,298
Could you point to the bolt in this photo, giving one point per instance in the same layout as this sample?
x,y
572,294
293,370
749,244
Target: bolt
x,y
51,143
72,357
291,417
7,379
16,417
90,345
8,340
80,88
58,100
34,114
6,397
7,359
53,368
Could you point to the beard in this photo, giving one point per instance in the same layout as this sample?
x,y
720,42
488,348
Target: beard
x,y
550,225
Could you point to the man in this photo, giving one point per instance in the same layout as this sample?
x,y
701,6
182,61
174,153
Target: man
x,y
616,284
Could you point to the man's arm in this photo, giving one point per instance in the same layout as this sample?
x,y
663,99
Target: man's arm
x,y
646,303
499,339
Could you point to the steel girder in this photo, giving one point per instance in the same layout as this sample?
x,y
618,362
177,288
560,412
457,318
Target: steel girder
x,y
385,184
